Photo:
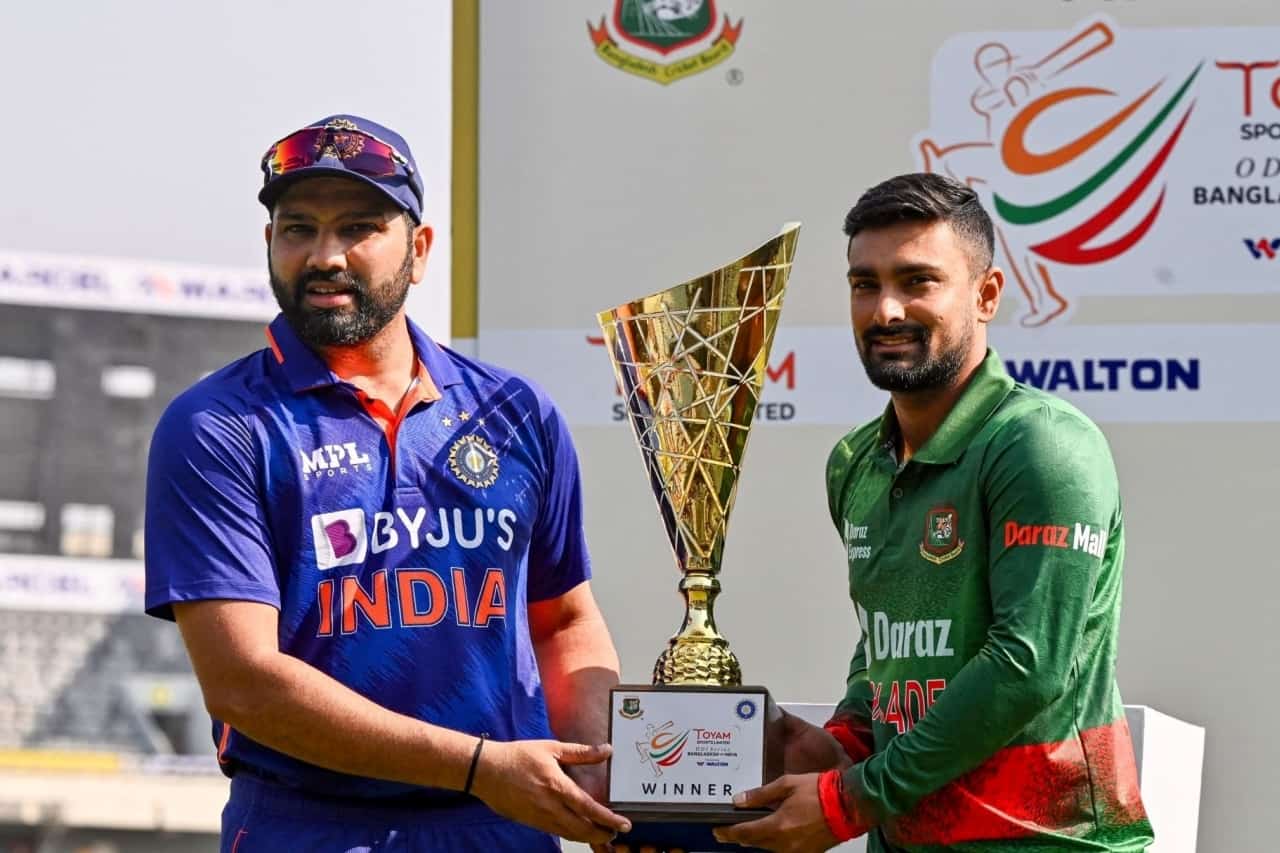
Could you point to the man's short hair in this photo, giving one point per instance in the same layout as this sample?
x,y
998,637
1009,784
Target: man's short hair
x,y
926,197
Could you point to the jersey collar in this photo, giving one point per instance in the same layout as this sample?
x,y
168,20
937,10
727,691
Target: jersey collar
x,y
986,391
306,371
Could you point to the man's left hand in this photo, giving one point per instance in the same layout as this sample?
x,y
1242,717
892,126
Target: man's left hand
x,y
796,825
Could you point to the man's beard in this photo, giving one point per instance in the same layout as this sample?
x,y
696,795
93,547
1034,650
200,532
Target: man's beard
x,y
900,372
373,306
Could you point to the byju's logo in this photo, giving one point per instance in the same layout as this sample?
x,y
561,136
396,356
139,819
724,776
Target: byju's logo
x,y
1263,248
334,459
340,538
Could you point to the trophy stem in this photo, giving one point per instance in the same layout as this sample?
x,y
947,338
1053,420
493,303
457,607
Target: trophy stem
x,y
698,654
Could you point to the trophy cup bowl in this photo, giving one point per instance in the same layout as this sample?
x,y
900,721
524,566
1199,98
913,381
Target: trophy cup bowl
x,y
690,362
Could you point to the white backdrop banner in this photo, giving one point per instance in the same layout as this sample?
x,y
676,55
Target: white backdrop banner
x,y
70,585
145,287
1113,373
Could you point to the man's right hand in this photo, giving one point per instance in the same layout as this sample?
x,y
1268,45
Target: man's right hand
x,y
525,780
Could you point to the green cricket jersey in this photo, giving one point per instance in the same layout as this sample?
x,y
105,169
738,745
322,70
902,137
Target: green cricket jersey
x,y
986,577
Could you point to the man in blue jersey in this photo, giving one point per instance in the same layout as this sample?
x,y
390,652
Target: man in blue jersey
x,y
373,548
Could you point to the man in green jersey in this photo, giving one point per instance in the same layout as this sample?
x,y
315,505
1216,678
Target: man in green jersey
x,y
981,520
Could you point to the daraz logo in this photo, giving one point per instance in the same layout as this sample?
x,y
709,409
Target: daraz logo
x,y
1080,537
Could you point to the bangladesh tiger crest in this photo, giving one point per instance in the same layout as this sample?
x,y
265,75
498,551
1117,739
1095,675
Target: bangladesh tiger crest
x,y
631,709
652,30
942,540
474,462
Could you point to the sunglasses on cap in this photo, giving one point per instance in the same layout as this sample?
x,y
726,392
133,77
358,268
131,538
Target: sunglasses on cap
x,y
357,150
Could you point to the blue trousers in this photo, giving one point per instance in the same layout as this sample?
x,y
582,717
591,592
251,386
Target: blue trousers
x,y
264,818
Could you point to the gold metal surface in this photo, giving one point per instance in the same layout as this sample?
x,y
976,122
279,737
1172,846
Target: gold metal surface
x,y
691,364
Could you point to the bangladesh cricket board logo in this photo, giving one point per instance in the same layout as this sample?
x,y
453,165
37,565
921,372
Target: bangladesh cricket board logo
x,y
942,540
631,709
1074,159
664,40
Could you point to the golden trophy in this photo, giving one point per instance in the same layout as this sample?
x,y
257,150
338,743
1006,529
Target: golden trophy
x,y
691,362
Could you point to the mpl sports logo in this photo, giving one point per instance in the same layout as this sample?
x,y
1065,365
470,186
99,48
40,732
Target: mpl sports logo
x,y
331,460
654,31
1073,138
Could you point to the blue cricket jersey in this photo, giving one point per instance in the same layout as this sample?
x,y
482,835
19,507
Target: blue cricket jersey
x,y
400,560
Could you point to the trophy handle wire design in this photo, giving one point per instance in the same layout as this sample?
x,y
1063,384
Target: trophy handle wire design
x,y
691,363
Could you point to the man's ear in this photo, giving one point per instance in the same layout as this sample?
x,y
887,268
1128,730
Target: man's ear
x,y
988,294
422,236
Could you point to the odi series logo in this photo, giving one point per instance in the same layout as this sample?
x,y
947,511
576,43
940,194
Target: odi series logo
x,y
664,40
1072,194
1115,162
664,746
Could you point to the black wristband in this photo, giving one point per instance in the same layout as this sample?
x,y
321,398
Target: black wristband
x,y
475,760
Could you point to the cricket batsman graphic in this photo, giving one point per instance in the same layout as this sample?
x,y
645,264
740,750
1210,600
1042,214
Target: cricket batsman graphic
x,y
1084,200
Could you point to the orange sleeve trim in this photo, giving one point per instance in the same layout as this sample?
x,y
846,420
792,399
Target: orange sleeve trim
x,y
223,741
275,348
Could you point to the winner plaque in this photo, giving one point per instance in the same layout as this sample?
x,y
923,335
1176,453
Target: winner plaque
x,y
690,362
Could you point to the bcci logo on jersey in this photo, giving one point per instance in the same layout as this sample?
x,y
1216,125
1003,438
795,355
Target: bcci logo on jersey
x,y
474,462
941,535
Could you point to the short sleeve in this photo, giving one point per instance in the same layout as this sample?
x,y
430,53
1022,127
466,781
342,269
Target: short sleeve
x,y
558,558
206,530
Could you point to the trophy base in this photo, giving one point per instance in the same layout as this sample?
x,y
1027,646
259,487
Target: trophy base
x,y
681,752
678,813
685,833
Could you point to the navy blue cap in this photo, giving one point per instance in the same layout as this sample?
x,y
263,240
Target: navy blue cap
x,y
404,187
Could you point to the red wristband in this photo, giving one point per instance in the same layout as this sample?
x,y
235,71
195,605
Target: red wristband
x,y
831,797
